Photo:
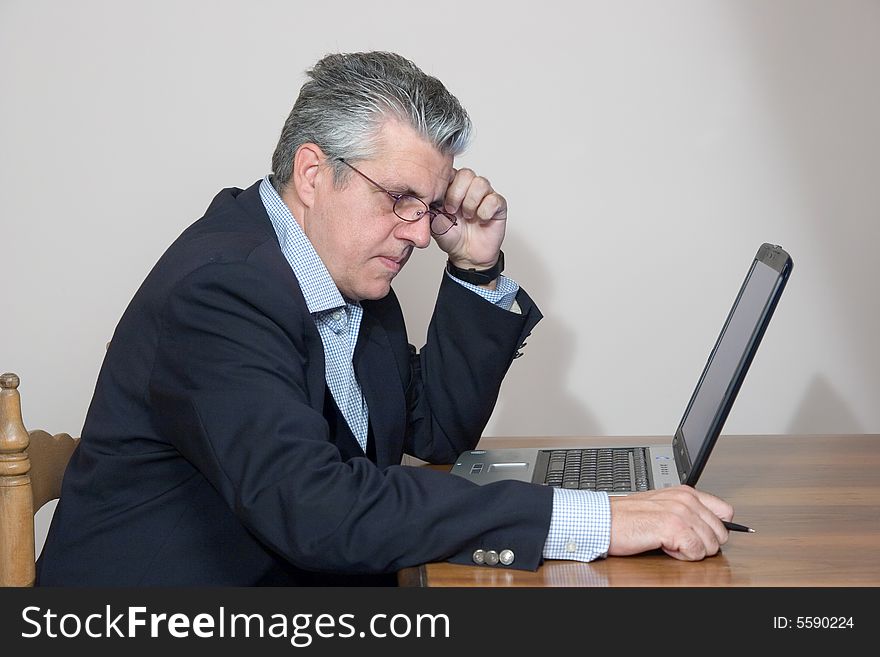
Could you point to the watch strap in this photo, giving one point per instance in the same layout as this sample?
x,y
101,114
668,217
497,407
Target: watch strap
x,y
477,276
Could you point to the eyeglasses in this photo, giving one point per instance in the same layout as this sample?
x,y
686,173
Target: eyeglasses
x,y
411,208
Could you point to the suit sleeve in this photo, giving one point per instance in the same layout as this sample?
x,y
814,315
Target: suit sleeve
x,y
229,390
457,376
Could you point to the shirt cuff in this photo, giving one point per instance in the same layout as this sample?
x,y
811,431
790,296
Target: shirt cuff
x,y
580,527
502,296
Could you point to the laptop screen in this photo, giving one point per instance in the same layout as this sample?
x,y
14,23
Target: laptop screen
x,y
732,352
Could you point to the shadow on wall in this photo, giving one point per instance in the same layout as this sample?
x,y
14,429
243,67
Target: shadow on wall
x,y
823,410
820,83
535,397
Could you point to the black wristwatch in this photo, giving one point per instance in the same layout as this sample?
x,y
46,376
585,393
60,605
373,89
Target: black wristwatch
x,y
477,276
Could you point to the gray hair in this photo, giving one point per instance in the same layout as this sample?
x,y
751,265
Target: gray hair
x,y
351,95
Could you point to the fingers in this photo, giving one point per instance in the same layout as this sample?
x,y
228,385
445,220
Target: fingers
x,y
716,505
471,196
457,190
696,537
481,214
712,510
683,522
700,512
493,206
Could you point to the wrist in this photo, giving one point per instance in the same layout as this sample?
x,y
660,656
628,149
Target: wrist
x,y
476,275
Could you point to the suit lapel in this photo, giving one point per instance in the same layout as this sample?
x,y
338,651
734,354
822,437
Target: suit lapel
x,y
374,366
249,200
315,367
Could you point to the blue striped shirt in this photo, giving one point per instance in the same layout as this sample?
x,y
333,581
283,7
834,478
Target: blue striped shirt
x,y
580,527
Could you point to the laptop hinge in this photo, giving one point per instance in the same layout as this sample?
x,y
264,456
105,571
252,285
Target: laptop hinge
x,y
540,471
679,452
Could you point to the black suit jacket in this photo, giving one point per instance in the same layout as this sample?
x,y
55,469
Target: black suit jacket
x,y
213,453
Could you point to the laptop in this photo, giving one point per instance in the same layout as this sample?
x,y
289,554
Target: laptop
x,y
622,470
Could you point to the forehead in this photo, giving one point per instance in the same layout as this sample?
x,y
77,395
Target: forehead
x,y
408,162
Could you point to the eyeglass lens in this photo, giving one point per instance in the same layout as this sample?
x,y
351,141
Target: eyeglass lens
x,y
410,208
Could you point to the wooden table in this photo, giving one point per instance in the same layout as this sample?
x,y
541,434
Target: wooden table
x,y
814,502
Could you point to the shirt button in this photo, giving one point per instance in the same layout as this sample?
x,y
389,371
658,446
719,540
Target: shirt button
x,y
506,557
571,546
337,315
479,557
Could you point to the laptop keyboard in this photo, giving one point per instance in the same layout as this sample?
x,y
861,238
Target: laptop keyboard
x,y
605,469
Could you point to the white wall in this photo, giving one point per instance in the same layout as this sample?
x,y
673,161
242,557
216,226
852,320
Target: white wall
x,y
646,148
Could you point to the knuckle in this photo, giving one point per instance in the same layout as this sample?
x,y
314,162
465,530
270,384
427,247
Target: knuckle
x,y
678,507
694,547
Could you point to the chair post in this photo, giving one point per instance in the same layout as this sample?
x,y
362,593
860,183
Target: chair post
x,y
16,498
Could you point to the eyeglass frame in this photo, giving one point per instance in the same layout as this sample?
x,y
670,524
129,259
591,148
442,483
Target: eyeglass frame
x,y
428,210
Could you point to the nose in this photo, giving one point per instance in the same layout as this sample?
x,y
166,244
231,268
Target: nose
x,y
417,232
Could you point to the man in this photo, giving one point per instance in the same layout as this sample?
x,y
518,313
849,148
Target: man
x,y
259,392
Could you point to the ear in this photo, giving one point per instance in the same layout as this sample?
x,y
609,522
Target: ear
x,y
305,175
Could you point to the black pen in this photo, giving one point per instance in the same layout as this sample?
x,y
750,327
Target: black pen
x,y
734,527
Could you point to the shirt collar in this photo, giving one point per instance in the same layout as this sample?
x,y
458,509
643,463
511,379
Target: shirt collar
x,y
318,288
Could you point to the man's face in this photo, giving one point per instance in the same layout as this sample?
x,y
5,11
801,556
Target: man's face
x,y
353,228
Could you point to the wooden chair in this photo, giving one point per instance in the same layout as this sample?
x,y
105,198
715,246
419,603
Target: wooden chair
x,y
31,469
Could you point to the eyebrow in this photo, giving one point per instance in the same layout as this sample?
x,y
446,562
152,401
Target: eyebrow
x,y
409,191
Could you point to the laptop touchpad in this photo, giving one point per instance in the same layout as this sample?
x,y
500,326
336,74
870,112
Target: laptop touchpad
x,y
507,466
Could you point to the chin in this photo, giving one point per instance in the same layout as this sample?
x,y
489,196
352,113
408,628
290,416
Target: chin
x,y
376,295
376,292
